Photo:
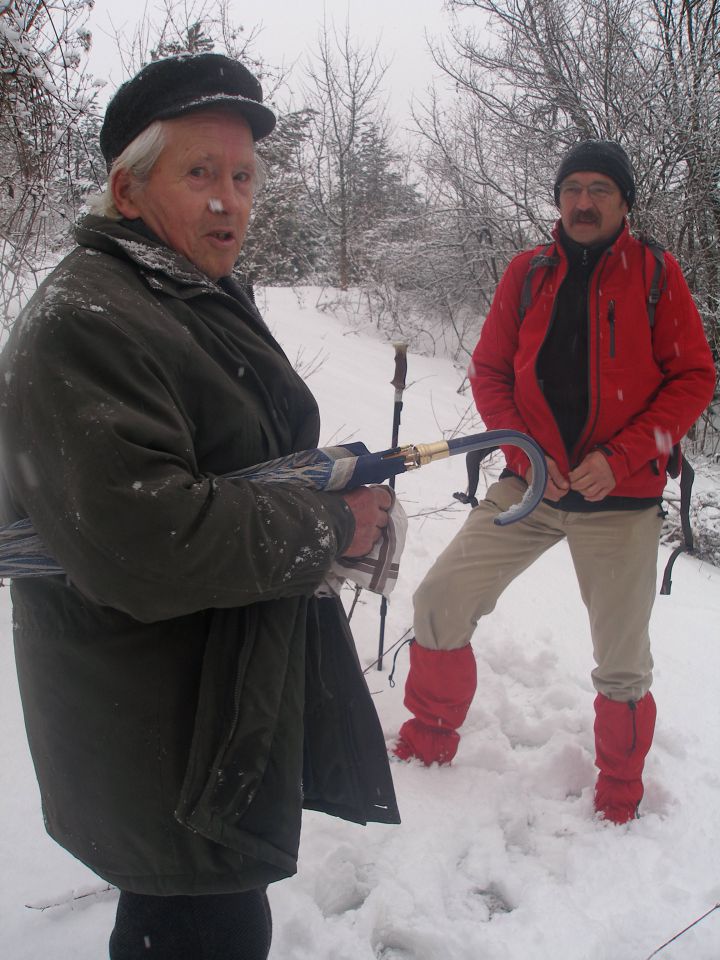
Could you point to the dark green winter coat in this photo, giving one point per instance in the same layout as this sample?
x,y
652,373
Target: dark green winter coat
x,y
174,680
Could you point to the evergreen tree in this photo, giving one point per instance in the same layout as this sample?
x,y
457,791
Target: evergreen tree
x,y
282,246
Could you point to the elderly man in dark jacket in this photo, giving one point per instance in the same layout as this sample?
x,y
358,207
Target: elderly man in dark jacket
x,y
185,694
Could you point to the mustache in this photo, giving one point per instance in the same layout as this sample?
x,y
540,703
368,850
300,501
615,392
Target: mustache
x,y
585,216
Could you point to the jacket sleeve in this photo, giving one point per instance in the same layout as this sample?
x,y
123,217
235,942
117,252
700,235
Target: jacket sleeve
x,y
684,358
491,371
100,457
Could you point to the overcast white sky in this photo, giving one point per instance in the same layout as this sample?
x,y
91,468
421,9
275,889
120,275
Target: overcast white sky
x,y
290,27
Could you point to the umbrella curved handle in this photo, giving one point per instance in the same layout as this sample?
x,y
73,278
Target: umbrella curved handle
x,y
510,438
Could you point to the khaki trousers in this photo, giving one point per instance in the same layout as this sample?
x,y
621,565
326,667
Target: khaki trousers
x,y
615,558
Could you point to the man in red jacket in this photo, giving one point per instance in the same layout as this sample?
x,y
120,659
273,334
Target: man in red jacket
x,y
574,358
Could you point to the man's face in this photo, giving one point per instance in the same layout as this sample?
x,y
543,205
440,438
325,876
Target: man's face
x,y
199,194
591,207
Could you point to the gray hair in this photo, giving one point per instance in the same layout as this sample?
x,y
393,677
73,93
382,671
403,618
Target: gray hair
x,y
138,158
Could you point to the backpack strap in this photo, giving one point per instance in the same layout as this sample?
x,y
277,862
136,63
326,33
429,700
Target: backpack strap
x,y
687,477
656,286
541,259
472,462
677,465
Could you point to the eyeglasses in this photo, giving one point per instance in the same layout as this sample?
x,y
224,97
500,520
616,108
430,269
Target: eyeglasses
x,y
596,191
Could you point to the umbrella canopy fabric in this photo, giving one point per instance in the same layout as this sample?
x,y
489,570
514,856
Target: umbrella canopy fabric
x,y
326,468
23,554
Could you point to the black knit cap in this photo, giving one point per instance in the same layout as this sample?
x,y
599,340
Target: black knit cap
x,y
173,86
599,156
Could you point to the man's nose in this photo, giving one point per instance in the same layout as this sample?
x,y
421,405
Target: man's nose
x,y
225,190
585,199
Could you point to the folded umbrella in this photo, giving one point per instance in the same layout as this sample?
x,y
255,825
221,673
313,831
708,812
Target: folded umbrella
x,y
23,554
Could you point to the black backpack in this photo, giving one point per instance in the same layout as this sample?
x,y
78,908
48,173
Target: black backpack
x,y
677,464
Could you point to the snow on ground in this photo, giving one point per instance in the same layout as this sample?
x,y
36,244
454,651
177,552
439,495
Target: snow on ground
x,y
498,857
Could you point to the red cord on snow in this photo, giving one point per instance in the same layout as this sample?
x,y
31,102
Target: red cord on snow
x,y
667,942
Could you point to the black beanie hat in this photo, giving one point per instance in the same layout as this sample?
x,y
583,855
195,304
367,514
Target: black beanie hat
x,y
599,156
173,86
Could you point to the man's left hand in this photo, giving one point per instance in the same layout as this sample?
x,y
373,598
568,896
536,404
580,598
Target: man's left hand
x,y
593,477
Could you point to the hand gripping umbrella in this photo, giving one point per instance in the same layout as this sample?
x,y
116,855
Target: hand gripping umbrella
x,y
23,554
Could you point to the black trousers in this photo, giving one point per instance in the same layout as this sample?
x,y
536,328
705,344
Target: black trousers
x,y
226,926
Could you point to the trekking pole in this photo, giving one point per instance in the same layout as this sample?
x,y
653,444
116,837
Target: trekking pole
x,y
398,381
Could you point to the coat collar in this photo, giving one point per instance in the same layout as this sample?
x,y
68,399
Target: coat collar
x,y
161,268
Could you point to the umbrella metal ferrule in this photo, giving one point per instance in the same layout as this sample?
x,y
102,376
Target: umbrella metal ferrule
x,y
419,454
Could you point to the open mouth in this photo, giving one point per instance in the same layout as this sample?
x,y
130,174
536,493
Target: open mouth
x,y
223,236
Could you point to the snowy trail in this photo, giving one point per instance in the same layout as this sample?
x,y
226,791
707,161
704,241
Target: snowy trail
x,y
498,857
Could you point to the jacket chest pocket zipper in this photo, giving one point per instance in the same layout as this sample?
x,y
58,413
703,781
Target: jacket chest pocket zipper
x,y
611,324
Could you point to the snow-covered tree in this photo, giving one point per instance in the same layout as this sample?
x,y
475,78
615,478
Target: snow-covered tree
x,y
531,78
46,105
687,163
342,92
171,27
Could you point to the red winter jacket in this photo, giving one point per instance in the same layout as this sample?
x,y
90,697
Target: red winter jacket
x,y
646,386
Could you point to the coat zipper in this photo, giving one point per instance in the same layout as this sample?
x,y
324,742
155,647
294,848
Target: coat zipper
x,y
611,321
576,454
549,328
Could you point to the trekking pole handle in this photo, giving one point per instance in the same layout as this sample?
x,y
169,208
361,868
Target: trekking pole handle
x,y
400,375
